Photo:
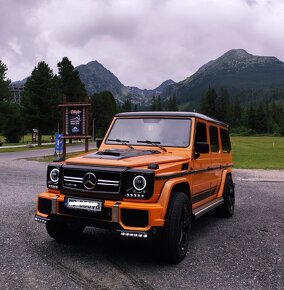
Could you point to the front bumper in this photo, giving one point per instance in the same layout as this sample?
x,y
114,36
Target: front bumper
x,y
127,217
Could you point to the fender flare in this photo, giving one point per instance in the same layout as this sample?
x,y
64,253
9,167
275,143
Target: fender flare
x,y
167,191
225,173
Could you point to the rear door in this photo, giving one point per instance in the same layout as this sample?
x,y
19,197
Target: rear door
x,y
203,176
216,158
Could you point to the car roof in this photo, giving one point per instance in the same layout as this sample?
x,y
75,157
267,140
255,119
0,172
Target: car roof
x,y
171,114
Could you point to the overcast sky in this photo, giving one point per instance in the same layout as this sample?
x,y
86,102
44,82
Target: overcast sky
x,y
143,42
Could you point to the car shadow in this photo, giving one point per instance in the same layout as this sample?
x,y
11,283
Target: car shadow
x,y
104,244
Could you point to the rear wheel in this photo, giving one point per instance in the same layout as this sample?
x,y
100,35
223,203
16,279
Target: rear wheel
x,y
173,243
63,232
226,209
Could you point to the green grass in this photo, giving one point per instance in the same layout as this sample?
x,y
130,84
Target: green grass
x,y
27,139
258,152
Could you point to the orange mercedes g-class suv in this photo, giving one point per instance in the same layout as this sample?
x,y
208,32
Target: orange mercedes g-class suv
x,y
153,173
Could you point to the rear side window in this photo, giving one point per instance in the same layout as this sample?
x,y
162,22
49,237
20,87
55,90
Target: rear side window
x,y
200,135
214,145
225,139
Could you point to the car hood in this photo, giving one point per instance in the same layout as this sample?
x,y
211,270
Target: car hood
x,y
127,158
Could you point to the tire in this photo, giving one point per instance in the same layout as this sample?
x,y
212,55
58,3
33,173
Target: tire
x,y
174,239
63,232
226,209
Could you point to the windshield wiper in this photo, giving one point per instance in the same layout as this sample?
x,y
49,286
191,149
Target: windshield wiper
x,y
124,142
153,143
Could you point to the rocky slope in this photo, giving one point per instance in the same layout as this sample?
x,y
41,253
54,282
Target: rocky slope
x,y
243,74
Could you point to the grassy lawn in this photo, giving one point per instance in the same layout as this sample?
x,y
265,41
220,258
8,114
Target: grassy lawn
x,y
258,152
27,139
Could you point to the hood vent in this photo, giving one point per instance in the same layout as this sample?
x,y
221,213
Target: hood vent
x,y
117,154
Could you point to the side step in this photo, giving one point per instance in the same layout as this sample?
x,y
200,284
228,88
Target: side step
x,y
198,212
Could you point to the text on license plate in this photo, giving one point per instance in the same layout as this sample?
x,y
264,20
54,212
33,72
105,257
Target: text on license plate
x,y
83,204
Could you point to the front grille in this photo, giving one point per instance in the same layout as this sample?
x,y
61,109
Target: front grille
x,y
105,214
91,180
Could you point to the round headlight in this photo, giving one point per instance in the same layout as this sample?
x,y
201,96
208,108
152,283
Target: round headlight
x,y
54,175
139,182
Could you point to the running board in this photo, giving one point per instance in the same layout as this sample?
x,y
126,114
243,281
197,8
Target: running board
x,y
198,212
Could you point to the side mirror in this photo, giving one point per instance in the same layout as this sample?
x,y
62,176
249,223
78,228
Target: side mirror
x,y
201,147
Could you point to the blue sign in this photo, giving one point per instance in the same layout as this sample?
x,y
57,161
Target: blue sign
x,y
58,142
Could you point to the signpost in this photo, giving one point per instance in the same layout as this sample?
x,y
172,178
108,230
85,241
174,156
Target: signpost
x,y
75,123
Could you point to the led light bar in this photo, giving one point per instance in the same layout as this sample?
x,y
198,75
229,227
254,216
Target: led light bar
x,y
135,195
41,220
134,234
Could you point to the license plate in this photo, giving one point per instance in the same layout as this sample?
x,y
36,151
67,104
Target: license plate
x,y
83,204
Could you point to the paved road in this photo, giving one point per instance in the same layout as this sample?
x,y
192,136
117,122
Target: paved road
x,y
10,156
244,252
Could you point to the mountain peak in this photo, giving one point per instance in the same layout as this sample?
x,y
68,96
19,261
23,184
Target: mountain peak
x,y
165,84
239,52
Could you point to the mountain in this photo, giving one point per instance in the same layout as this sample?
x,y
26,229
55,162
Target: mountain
x,y
242,74
97,78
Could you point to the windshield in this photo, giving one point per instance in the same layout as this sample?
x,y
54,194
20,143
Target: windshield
x,y
164,132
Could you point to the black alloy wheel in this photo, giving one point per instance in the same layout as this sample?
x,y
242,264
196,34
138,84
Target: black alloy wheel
x,y
226,209
173,243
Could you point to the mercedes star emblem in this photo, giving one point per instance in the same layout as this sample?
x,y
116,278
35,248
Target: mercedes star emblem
x,y
89,181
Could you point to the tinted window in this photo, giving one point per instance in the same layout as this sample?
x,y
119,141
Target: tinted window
x,y
200,135
225,139
165,132
213,131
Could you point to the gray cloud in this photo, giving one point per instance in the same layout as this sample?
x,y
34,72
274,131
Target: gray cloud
x,y
143,42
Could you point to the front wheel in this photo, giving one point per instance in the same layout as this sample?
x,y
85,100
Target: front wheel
x,y
175,233
63,232
226,209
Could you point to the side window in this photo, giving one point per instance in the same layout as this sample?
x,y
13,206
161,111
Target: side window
x,y
214,145
225,139
200,135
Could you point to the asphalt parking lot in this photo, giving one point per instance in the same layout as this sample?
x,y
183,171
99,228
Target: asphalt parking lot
x,y
244,252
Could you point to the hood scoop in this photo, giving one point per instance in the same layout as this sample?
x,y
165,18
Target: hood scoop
x,y
118,154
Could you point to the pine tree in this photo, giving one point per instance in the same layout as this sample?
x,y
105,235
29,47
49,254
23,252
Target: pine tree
x,y
172,104
40,99
5,96
13,125
260,119
251,124
103,109
222,106
154,104
159,104
4,83
127,106
71,85
208,103
236,114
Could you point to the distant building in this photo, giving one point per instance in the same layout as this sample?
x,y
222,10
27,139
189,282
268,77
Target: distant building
x,y
17,89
